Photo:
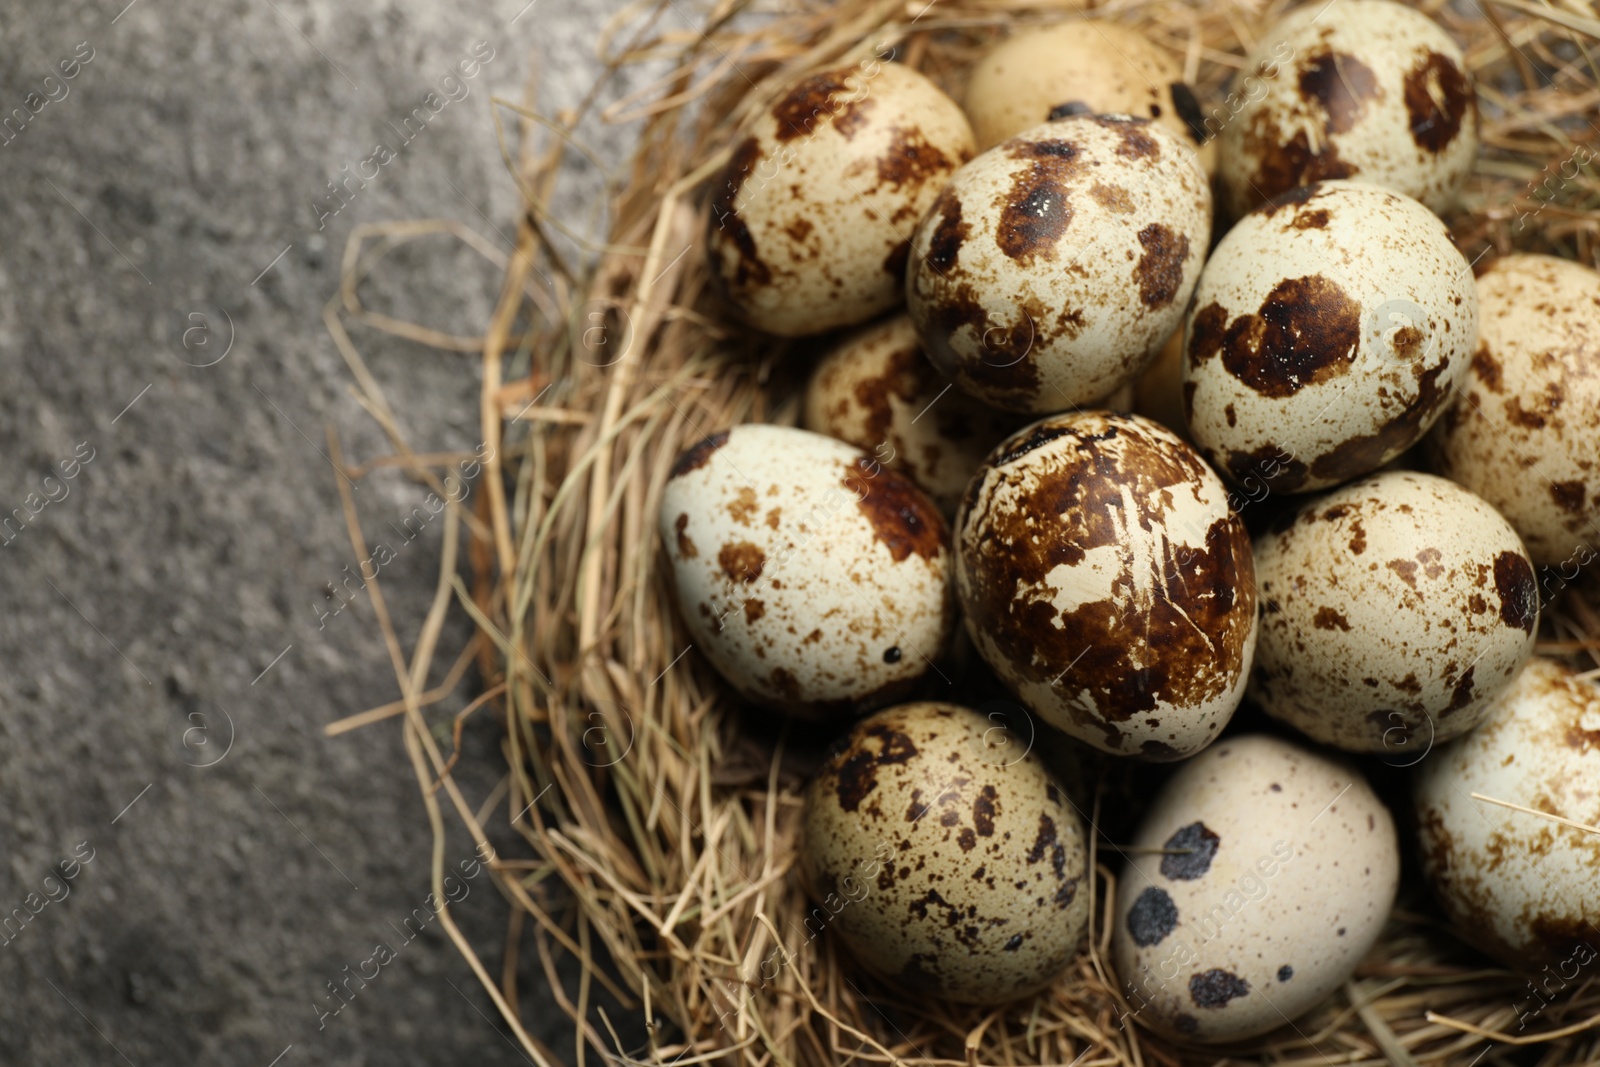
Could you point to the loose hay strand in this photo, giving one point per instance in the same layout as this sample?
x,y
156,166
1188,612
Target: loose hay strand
x,y
658,842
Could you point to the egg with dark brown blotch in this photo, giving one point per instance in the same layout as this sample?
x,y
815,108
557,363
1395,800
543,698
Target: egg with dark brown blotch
x,y
1326,335
1393,611
1521,884
1260,877
946,862
811,220
1076,67
815,580
1052,267
875,389
1362,89
1524,429
1106,581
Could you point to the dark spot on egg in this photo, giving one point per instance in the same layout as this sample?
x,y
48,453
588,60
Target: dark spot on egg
x,y
903,519
1285,973
686,547
1152,917
1438,97
725,218
944,246
1013,943
1185,1023
1329,619
1159,271
1035,215
1306,332
1365,453
1214,988
1201,843
1568,496
891,654
1519,596
697,455
1463,692
1068,109
741,561
1341,85
855,768
911,158
835,95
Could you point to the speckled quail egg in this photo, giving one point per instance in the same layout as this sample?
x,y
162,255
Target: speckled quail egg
x,y
1076,67
1393,610
811,220
1107,583
813,578
1052,267
1521,885
1260,877
1359,89
1327,332
1523,430
952,866
876,390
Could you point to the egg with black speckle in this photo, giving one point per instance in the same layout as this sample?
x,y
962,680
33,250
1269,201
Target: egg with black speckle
x,y
1522,432
1076,67
1362,89
1105,579
815,580
1517,883
955,867
811,219
876,390
1051,268
1260,877
1393,610
1326,335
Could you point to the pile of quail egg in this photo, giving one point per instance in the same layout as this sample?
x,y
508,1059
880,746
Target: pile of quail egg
x,y
1017,273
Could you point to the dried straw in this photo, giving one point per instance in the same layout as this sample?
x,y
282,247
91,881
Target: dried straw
x,y
659,827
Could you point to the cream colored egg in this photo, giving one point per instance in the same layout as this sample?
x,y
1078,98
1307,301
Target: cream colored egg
x,y
1393,611
1277,870
811,220
876,390
814,579
1524,430
1107,583
1362,89
1520,885
951,865
1079,66
1326,334
1052,267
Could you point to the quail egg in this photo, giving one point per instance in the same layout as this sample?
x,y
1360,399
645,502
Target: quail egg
x,y
1260,877
1522,431
811,220
1519,883
1327,332
876,390
1052,267
1107,583
1076,67
1393,611
954,866
1362,89
813,578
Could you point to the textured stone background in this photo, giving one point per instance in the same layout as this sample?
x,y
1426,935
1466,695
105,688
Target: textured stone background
x,y
174,596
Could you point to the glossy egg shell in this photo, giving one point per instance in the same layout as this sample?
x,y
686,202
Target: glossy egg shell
x,y
810,221
1105,580
1053,266
1325,337
956,868
1522,886
1363,89
1393,611
813,579
1524,430
1262,874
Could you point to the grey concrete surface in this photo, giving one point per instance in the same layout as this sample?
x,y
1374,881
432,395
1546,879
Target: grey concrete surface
x,y
201,860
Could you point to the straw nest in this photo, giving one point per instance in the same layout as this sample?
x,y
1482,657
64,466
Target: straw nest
x,y
658,816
